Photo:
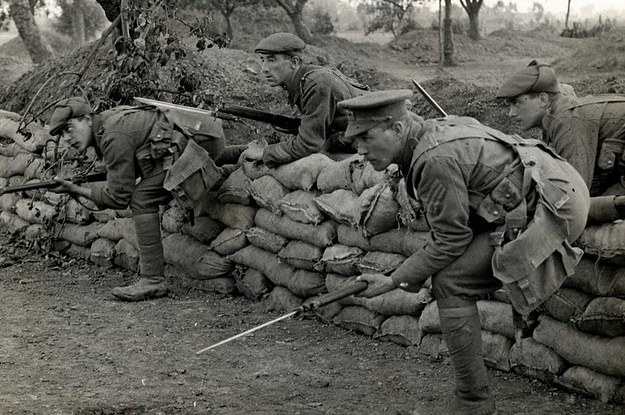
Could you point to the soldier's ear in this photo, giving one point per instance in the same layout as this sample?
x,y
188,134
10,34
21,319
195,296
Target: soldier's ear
x,y
398,128
544,99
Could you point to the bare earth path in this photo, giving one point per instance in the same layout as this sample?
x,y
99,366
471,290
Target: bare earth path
x,y
66,347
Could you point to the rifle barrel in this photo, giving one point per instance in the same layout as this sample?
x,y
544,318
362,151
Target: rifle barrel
x,y
288,123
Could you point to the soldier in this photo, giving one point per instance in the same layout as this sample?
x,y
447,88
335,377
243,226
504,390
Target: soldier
x,y
502,211
136,144
314,90
588,132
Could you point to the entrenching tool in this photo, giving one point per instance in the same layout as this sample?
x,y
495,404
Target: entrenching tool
x,y
357,287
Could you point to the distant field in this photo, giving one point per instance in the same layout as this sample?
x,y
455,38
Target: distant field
x,y
6,36
359,37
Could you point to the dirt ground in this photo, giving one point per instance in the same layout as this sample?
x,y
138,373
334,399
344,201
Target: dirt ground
x,y
67,347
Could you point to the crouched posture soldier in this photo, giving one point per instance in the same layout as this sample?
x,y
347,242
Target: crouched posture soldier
x,y
315,91
589,132
139,143
502,210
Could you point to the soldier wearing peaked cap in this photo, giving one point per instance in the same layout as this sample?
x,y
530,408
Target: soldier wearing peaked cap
x,y
137,142
314,91
589,132
491,223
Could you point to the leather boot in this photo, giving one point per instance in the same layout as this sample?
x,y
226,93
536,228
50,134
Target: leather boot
x,y
152,282
143,289
460,323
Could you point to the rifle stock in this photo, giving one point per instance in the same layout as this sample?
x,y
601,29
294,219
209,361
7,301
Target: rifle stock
x,y
46,184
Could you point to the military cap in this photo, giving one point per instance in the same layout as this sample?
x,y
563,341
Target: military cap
x,y
281,42
367,111
535,77
65,110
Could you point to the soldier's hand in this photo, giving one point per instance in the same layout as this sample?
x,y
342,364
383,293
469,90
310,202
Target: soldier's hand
x,y
378,285
63,186
254,151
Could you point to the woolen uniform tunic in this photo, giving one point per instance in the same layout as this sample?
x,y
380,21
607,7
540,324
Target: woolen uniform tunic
x,y
315,91
468,182
118,135
577,130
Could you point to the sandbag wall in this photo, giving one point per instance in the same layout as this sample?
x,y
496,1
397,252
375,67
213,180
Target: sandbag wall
x,y
289,234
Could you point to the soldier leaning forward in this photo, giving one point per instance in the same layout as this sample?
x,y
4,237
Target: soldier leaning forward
x,y
315,91
502,211
149,159
589,132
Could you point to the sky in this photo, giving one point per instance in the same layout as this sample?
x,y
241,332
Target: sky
x,y
559,6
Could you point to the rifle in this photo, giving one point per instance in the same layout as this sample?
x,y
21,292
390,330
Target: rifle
x,y
192,117
308,306
47,184
429,98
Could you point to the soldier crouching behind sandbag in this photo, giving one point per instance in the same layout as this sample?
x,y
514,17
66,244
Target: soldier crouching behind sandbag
x,y
502,211
139,143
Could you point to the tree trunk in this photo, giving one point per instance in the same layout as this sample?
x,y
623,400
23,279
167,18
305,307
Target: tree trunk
x,y
28,31
448,43
78,23
568,10
441,56
294,11
474,26
229,29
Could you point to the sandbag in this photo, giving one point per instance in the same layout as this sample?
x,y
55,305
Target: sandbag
x,y
566,304
36,169
8,201
282,300
337,175
35,212
265,239
267,192
410,212
253,257
597,278
496,317
588,382
306,284
340,259
76,213
496,350
430,320
378,262
232,215
205,229
434,346
378,209
121,228
365,176
582,349
530,358
211,265
126,255
36,232
235,189
253,284
229,241
102,252
301,255
78,251
343,206
321,235
174,218
351,236
605,241
399,241
604,316
301,174
16,165
106,215
403,330
359,319
82,235
299,206
327,312
183,251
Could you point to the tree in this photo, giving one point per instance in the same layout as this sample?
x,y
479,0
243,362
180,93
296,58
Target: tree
x,y
22,13
294,9
568,11
539,12
80,19
472,7
227,7
388,15
448,42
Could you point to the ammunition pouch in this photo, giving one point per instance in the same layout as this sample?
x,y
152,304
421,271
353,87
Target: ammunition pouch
x,y
611,154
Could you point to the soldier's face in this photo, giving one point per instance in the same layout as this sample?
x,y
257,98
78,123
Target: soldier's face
x,y
380,146
529,109
277,68
77,133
